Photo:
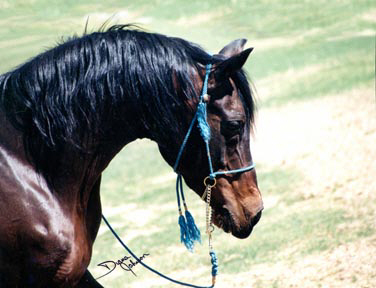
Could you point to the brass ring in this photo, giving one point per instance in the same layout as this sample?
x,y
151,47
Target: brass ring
x,y
207,184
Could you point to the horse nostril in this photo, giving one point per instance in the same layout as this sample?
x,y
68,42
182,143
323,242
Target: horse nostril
x,y
256,219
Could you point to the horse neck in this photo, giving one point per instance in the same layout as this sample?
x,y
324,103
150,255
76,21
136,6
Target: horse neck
x,y
69,168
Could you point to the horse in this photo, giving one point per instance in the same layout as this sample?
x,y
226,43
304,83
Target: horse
x,y
67,112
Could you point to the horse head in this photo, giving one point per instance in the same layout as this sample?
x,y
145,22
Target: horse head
x,y
236,199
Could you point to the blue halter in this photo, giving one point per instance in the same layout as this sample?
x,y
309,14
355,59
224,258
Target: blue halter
x,y
189,233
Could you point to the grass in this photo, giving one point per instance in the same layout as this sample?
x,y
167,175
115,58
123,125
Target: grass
x,y
304,50
333,78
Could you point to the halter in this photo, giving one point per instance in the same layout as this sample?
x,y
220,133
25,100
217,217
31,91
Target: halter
x,y
189,233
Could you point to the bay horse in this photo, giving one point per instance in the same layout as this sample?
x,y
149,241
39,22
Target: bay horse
x,y
67,112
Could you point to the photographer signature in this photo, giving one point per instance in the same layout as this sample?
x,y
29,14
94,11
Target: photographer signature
x,y
126,263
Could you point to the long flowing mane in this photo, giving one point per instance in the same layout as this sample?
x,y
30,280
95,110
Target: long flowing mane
x,y
83,87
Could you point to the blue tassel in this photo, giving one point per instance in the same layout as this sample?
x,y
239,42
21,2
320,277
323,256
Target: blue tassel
x,y
184,234
194,232
214,262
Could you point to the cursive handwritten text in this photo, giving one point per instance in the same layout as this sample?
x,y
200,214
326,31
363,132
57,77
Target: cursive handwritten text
x,y
126,263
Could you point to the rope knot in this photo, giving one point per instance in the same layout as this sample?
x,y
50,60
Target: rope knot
x,y
202,122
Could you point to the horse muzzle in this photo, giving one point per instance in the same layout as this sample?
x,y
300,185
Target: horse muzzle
x,y
225,220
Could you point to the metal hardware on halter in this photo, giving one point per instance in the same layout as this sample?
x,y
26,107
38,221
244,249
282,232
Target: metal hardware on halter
x,y
209,231
208,186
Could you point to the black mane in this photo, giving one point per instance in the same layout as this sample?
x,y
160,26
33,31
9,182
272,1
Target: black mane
x,y
83,87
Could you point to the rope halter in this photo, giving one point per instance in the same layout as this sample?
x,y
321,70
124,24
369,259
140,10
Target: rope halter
x,y
189,233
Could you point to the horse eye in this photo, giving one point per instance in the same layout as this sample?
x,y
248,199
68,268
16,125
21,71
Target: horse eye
x,y
235,125
231,128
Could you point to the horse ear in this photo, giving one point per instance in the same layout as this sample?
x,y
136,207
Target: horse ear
x,y
229,66
233,48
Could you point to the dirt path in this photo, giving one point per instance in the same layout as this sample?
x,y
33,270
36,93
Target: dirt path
x,y
330,140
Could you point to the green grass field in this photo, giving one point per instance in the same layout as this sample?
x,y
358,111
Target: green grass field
x,y
314,71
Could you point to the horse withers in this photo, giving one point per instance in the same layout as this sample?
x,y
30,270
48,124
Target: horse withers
x,y
67,112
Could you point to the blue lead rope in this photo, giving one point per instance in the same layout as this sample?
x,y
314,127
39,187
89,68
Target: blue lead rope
x,y
145,265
